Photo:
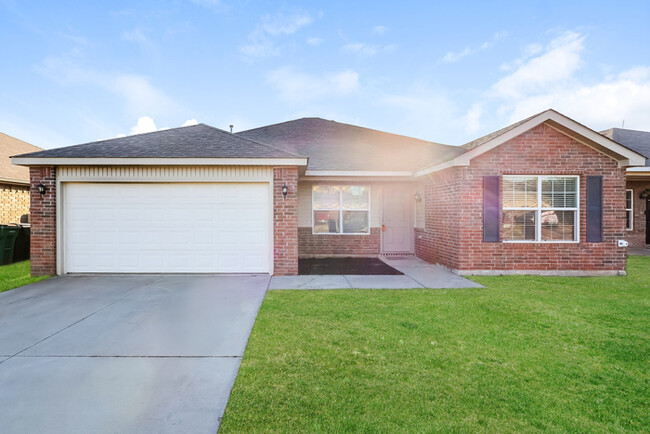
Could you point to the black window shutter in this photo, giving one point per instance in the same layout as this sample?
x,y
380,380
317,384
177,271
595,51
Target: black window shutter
x,y
594,209
491,208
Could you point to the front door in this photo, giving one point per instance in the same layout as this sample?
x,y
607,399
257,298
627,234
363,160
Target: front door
x,y
397,218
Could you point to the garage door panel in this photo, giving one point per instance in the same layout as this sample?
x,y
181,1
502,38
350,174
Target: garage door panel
x,y
142,227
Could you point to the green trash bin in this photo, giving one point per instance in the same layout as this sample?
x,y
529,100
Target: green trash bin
x,y
8,236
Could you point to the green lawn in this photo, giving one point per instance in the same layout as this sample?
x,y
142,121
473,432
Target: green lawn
x,y
524,354
15,275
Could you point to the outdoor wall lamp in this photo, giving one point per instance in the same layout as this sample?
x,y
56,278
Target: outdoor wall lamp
x,y
41,188
418,198
285,190
645,193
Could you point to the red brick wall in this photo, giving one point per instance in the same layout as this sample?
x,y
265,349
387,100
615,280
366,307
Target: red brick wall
x,y
637,236
439,241
43,221
338,245
540,151
285,221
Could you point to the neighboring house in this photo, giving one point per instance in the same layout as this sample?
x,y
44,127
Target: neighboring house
x,y
543,196
14,180
637,207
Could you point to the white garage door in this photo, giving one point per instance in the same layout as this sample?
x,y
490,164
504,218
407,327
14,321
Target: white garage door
x,y
166,228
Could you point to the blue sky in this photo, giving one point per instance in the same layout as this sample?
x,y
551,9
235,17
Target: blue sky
x,y
74,72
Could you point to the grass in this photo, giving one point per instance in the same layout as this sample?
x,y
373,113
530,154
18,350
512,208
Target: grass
x,y
15,275
524,354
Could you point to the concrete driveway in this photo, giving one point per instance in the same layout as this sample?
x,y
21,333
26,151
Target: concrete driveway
x,y
123,353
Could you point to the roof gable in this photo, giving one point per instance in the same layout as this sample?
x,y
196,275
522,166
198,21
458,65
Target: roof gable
x,y
638,141
11,146
556,120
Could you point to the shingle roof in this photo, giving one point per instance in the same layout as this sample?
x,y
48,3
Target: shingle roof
x,y
197,141
478,142
638,141
342,147
11,146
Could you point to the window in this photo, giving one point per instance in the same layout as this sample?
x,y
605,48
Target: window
x,y
341,209
540,208
629,206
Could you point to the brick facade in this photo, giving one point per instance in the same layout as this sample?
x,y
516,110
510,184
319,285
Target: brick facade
x,y
14,202
637,236
285,221
453,235
43,221
316,245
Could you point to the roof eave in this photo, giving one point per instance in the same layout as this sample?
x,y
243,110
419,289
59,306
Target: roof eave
x,y
87,161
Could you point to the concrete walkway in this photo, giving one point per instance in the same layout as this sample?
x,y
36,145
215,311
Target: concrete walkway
x,y
128,354
417,274
639,252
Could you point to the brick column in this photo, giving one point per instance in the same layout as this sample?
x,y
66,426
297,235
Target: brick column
x,y
285,221
43,221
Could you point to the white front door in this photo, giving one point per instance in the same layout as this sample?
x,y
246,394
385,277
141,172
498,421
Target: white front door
x,y
166,228
397,218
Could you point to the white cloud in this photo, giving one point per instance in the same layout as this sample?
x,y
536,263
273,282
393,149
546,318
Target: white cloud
x,y
190,122
559,62
315,42
455,56
139,37
145,124
262,41
295,86
379,30
550,77
137,91
367,49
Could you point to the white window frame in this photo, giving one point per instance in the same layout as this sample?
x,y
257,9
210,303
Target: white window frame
x,y
538,211
341,209
630,209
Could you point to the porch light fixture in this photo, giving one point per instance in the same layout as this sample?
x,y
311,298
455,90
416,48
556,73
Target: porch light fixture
x,y
418,198
285,190
645,193
41,188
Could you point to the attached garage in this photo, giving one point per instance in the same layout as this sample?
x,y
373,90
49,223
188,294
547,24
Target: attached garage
x,y
166,227
194,199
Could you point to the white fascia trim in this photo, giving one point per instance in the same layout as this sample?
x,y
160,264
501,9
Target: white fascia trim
x,y
353,173
628,157
159,161
14,181
639,169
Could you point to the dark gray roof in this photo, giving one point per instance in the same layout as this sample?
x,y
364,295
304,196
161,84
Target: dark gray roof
x,y
638,141
336,146
197,141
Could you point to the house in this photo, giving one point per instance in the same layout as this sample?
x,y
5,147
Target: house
x,y
545,195
637,195
14,180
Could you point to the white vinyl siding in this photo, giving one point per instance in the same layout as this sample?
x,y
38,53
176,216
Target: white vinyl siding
x,y
540,208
